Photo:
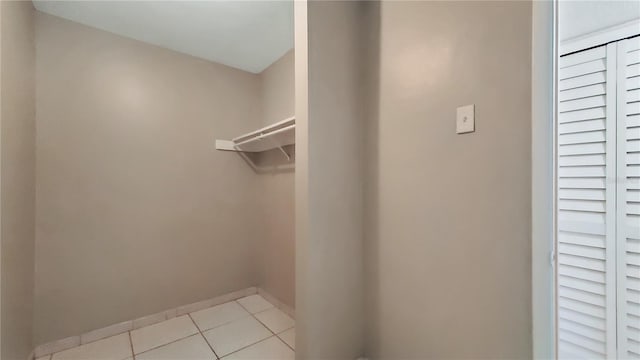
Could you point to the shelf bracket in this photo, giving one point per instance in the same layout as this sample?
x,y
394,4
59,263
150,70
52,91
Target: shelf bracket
x,y
285,153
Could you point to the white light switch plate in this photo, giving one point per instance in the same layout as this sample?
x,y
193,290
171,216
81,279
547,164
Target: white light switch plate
x,y
465,119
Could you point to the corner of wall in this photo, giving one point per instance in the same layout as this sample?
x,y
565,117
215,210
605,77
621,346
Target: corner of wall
x,y
17,177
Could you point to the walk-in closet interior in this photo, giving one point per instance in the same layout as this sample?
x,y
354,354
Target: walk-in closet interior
x,y
164,162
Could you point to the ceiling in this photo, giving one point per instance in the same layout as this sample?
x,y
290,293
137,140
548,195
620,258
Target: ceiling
x,y
577,18
248,35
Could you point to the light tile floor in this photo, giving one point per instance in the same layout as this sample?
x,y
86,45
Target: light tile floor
x,y
249,328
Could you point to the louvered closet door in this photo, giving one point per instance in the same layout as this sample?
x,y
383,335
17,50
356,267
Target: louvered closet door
x,y
586,204
629,198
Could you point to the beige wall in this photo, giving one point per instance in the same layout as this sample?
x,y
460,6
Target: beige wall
x,y
17,118
136,211
278,89
448,221
329,257
277,241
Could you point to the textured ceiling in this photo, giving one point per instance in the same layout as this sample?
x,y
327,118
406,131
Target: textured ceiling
x,y
248,35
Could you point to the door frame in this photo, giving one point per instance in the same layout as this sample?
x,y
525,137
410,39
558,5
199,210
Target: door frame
x,y
544,50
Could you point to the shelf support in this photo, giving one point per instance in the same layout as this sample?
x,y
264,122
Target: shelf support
x,y
285,153
225,145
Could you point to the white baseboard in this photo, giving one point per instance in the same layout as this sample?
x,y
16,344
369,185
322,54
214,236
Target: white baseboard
x,y
277,303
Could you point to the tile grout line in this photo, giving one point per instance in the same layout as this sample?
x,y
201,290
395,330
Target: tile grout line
x,y
260,322
169,343
294,350
204,337
265,325
188,336
185,337
133,353
248,346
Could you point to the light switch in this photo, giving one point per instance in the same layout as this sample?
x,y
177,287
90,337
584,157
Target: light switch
x,y
465,119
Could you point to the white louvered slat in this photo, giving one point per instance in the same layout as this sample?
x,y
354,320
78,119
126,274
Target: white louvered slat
x,y
583,319
633,83
580,273
581,194
628,209
585,160
582,296
581,104
633,309
582,149
582,92
633,283
632,44
581,218
597,347
633,258
582,262
584,285
583,57
582,205
585,203
633,70
570,351
582,69
633,57
582,183
581,251
583,137
595,241
581,126
581,171
633,108
587,331
581,115
581,307
633,121
580,81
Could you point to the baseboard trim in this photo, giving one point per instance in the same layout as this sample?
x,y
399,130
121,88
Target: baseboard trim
x,y
277,303
119,328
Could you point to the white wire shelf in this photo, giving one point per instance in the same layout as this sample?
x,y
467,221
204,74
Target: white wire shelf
x,y
274,136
